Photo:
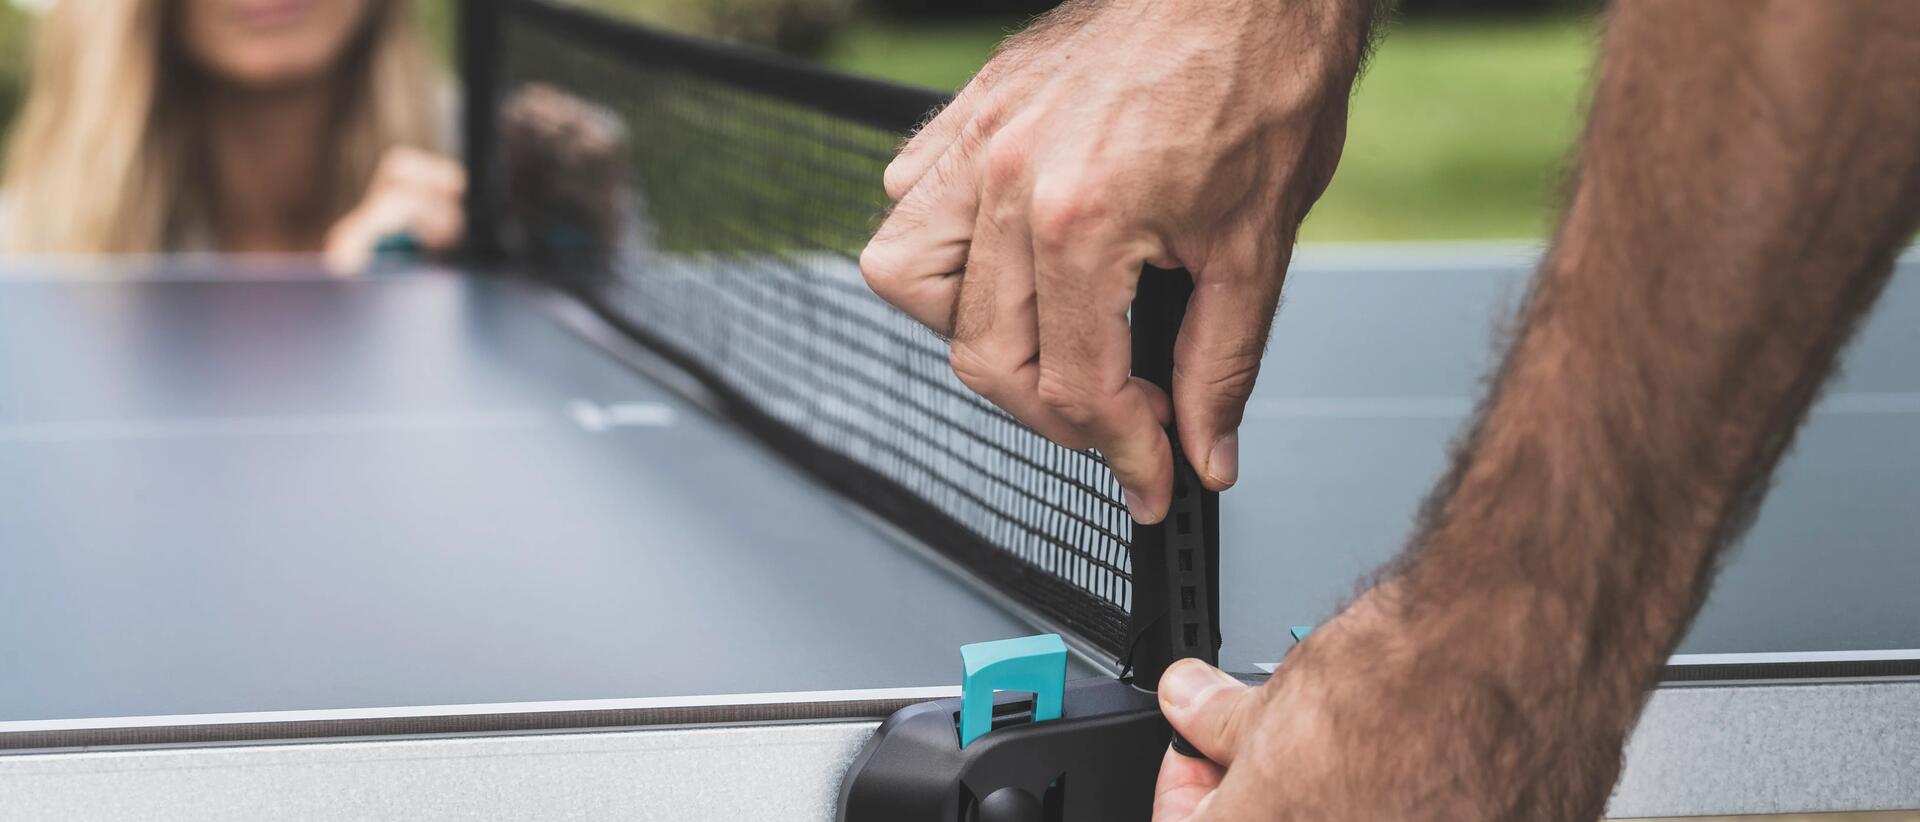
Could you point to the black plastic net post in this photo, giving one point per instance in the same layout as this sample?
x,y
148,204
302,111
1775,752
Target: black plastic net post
x,y
1176,563
479,62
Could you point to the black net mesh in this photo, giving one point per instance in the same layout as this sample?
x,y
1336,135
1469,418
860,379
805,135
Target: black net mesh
x,y
744,202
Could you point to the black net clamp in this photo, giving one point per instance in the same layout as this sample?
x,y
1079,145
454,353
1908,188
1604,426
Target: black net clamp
x,y
1097,761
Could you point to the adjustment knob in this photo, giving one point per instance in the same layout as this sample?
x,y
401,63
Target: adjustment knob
x,y
1010,805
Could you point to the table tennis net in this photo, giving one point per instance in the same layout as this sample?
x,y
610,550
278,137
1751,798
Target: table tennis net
x,y
747,187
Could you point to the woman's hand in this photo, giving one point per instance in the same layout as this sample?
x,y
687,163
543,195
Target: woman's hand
x,y
414,194
1108,135
565,172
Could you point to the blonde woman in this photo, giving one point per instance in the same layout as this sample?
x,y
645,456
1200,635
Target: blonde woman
x,y
234,126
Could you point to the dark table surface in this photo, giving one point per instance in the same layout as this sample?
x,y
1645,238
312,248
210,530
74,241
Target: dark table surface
x,y
228,490
1374,366
224,491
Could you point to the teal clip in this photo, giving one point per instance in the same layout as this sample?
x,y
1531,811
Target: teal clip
x,y
1300,632
566,238
398,244
1036,664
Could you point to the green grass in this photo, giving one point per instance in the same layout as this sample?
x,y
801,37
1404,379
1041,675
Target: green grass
x,y
940,54
13,63
1459,130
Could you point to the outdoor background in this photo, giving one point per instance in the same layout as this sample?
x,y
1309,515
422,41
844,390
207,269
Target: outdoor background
x,y
1460,129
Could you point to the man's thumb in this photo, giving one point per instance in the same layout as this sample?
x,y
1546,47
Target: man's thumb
x,y
1207,707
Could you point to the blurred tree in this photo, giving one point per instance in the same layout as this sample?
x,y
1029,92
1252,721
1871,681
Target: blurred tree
x,y
13,62
1489,8
1411,8
801,27
439,19
960,8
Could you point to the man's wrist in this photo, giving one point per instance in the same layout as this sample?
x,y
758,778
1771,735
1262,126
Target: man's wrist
x,y
1563,558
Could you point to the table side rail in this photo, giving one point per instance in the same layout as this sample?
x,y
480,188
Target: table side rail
x,y
1698,751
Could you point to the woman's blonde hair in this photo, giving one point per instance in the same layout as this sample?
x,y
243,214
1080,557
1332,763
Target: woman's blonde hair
x,y
104,151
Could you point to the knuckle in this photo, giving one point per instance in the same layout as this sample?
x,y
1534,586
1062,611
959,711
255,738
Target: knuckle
x,y
984,123
1230,378
1230,725
881,269
1069,398
899,177
1059,217
1005,163
974,369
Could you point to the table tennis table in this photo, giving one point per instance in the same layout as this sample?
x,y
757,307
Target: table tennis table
x,y
436,544
662,523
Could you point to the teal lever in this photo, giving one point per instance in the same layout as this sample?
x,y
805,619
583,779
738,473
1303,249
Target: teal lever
x,y
397,244
1037,664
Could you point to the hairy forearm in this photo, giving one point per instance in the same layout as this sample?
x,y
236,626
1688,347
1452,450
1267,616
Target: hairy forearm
x,y
1748,175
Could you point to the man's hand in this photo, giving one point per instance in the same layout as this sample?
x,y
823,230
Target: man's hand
x,y
1381,716
1749,174
1107,136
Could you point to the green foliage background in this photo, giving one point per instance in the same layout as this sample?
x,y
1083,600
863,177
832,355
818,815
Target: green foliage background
x,y
1460,129
13,61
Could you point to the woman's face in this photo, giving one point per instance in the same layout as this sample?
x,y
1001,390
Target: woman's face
x,y
268,44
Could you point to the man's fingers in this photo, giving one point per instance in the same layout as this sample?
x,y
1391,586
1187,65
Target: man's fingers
x,y
1209,708
928,144
1184,784
915,260
970,121
1123,425
1085,280
995,329
1218,356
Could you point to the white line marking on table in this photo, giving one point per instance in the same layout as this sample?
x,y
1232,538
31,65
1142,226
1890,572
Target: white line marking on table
x,y
143,269
1892,402
1436,257
1758,658
598,418
1360,408
266,426
1420,408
